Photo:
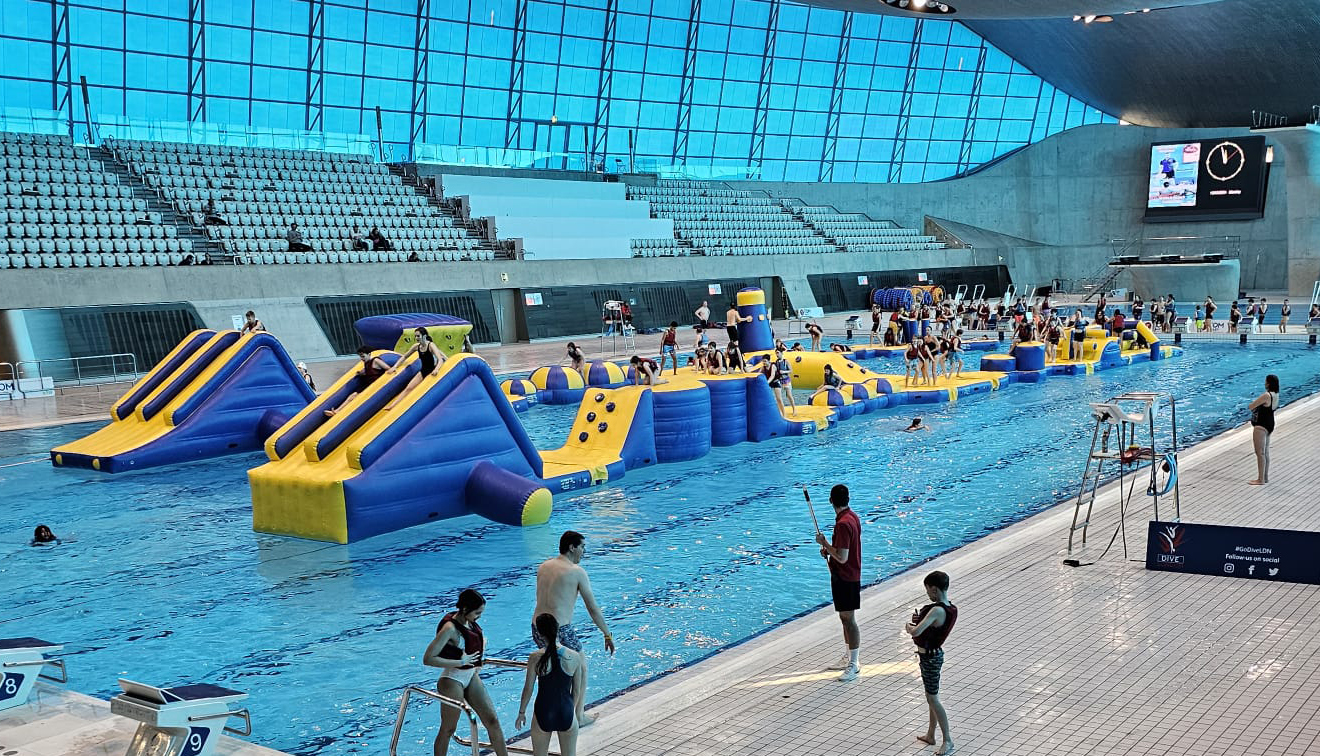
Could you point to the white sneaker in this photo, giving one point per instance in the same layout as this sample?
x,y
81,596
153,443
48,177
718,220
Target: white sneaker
x,y
849,674
842,663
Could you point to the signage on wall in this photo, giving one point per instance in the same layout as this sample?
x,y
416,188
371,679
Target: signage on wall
x,y
238,321
922,278
863,280
1231,551
534,299
714,289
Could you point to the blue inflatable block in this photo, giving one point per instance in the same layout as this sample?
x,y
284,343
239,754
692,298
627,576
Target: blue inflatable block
x,y
639,446
764,420
927,396
980,346
998,363
682,424
728,411
973,389
383,331
1030,356
1030,376
1063,369
560,396
897,399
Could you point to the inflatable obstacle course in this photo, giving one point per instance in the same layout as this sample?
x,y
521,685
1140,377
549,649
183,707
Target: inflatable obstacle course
x,y
216,393
397,332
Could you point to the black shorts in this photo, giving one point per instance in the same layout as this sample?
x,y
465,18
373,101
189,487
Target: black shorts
x,y
363,383
732,331
875,327
847,594
931,664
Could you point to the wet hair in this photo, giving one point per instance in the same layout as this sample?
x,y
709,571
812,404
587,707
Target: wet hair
x,y
635,360
1272,383
42,534
548,628
421,333
249,314
363,350
470,601
937,579
673,324
839,495
569,539
915,422
571,345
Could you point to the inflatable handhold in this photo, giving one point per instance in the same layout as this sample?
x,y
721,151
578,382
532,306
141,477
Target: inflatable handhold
x,y
609,407
600,397
797,359
591,417
602,427
583,436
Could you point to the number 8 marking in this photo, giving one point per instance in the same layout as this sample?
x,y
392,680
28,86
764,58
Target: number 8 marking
x,y
11,685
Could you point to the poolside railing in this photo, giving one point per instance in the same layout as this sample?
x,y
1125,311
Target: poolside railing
x,y
475,742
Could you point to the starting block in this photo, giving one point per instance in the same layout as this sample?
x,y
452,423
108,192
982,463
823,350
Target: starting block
x,y
180,721
22,661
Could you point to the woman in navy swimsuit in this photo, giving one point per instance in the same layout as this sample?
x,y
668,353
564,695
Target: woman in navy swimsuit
x,y
559,675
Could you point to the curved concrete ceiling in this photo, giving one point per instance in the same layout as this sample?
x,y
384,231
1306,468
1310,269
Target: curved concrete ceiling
x,y
1203,66
1196,63
1003,9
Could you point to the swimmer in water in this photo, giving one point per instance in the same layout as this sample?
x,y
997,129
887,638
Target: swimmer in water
x,y
42,536
916,426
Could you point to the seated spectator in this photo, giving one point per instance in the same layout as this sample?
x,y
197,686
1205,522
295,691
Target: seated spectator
x,y
359,239
211,216
295,239
306,376
379,243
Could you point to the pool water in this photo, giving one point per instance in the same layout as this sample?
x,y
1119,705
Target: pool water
x,y
161,579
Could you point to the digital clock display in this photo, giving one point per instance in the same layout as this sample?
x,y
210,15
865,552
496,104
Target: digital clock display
x,y
1208,179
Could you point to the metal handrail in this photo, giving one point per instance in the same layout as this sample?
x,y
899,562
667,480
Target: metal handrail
x,y
56,663
114,359
240,713
475,743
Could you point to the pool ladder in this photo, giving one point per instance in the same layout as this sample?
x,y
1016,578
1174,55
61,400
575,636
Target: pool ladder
x,y
475,743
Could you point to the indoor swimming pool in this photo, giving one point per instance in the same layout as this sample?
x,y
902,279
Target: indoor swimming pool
x,y
160,578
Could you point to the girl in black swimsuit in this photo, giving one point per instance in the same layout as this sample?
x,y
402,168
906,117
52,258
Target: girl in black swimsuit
x,y
1262,421
558,676
429,360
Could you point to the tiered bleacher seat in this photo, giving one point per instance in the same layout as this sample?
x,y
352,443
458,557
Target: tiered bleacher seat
x,y
655,247
730,221
61,209
859,233
260,192
560,218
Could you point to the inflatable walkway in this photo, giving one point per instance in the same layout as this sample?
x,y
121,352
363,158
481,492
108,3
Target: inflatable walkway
x,y
216,393
454,446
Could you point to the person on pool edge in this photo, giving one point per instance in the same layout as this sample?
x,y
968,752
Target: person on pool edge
x,y
929,628
458,650
843,554
559,676
559,582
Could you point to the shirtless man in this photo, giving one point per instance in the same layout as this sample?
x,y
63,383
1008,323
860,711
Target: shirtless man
x,y
559,582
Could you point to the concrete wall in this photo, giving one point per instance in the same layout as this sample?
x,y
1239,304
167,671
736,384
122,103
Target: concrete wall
x,y
1074,191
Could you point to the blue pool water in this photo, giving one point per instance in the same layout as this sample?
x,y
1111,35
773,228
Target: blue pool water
x,y
161,578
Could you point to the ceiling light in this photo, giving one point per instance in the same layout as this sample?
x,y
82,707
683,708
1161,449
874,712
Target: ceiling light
x,y
1077,18
918,4
902,3
1089,18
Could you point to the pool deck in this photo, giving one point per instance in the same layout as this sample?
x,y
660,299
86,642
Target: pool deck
x,y
58,722
1046,659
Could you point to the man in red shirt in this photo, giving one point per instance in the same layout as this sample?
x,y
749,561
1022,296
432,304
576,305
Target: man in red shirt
x,y
843,554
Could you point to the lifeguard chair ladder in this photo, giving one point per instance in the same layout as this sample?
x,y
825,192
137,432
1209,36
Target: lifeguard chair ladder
x,y
1114,441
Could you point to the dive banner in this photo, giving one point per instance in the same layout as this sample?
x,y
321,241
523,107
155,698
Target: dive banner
x,y
1254,553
